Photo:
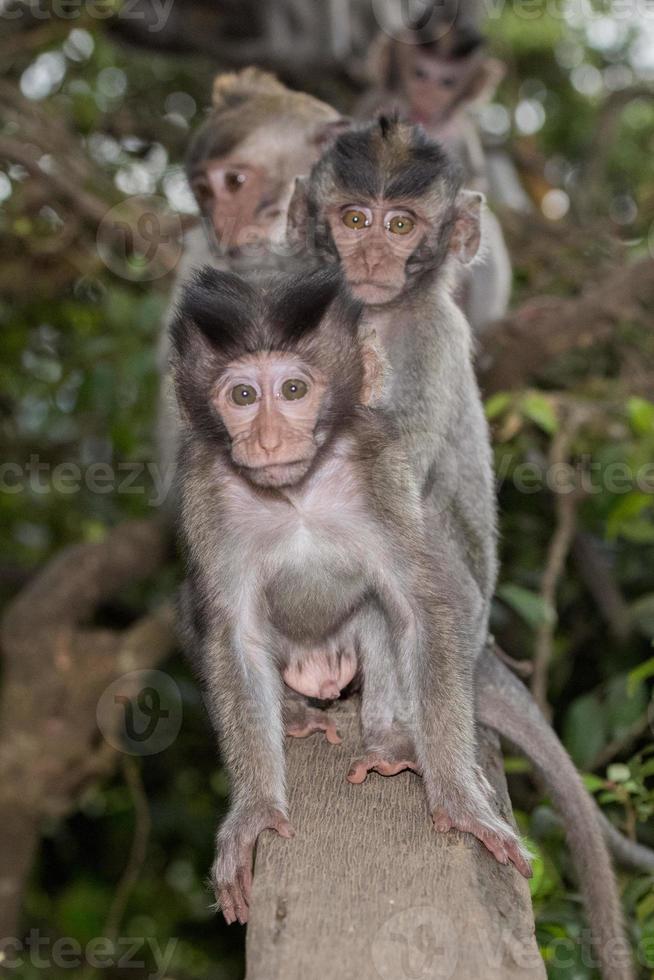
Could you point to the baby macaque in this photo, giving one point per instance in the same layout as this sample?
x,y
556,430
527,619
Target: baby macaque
x,y
437,82
305,541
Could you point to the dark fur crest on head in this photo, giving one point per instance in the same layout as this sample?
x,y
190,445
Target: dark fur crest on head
x,y
223,317
392,160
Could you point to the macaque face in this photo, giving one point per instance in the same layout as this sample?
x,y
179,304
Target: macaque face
x,y
432,86
269,404
247,192
374,241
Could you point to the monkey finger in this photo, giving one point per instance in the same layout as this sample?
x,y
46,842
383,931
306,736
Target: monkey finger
x,y
244,878
239,901
518,859
283,827
358,772
226,905
331,734
441,819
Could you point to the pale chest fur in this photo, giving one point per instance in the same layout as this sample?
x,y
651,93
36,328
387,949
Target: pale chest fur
x,y
308,552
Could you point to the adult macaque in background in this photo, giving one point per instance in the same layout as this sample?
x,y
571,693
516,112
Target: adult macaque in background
x,y
439,83
387,204
242,164
304,532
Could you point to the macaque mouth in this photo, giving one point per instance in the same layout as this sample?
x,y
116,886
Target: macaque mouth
x,y
279,474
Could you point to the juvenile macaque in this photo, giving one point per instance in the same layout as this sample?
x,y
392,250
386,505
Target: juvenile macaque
x,y
386,203
242,164
439,84
304,532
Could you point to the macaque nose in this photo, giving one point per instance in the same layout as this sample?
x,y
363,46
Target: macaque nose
x,y
374,258
269,434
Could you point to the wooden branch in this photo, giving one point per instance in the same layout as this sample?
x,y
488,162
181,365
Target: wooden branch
x,y
515,350
367,889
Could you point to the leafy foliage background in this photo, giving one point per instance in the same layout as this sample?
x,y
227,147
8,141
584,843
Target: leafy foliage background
x,y
78,382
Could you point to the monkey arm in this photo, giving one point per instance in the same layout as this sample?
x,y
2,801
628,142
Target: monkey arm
x,y
244,700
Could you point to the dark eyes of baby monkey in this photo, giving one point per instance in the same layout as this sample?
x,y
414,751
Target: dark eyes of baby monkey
x,y
303,532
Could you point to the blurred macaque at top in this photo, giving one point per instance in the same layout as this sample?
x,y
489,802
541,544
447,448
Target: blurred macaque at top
x,y
437,79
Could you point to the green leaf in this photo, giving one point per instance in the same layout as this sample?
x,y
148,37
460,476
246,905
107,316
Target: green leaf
x,y
638,532
584,729
539,409
629,507
640,674
593,783
531,607
641,415
642,614
497,404
624,705
618,773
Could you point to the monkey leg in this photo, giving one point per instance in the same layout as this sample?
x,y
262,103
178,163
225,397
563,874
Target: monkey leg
x,y
388,746
436,655
301,720
231,874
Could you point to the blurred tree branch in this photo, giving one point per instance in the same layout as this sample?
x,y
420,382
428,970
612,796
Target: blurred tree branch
x,y
516,350
56,666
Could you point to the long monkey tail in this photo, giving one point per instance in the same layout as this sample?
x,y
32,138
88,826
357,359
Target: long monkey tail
x,y
628,853
504,704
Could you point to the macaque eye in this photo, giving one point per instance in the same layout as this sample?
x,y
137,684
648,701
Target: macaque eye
x,y
202,189
293,389
448,82
355,219
244,395
234,180
401,224
420,73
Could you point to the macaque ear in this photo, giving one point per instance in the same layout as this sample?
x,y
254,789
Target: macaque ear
x,y
297,219
375,370
329,132
487,80
466,236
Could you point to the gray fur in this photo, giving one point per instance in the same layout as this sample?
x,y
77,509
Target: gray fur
x,y
435,401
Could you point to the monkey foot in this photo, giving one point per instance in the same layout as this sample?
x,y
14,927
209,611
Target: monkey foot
x,y
300,721
500,840
392,754
231,874
314,721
